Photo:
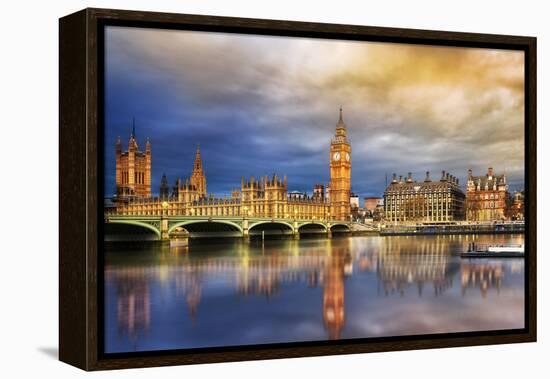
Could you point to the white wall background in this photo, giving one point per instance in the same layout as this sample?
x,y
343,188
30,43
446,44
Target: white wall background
x,y
29,174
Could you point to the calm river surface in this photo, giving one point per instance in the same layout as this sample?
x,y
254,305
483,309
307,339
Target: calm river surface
x,y
229,292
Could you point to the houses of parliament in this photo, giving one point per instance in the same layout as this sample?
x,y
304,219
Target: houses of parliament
x,y
264,197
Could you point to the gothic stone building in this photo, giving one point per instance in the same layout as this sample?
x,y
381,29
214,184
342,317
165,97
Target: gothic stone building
x,y
487,197
340,173
133,170
407,200
264,197
268,197
194,188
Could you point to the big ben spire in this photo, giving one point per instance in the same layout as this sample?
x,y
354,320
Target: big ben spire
x,y
340,172
341,119
341,127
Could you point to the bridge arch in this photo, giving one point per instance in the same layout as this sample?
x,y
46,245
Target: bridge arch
x,y
289,225
312,223
340,227
139,224
204,221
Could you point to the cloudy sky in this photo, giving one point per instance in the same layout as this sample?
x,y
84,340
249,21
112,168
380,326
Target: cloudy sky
x,y
260,105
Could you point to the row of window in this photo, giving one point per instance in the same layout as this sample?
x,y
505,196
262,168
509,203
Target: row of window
x,y
139,177
487,204
489,196
155,209
425,197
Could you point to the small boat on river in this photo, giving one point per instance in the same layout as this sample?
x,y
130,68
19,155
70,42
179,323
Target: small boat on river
x,y
476,250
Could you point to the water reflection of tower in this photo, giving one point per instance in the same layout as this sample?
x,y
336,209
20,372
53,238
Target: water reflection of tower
x,y
333,291
133,302
483,276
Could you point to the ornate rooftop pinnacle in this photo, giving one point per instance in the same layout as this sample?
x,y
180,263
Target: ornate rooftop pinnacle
x,y
197,166
133,135
341,126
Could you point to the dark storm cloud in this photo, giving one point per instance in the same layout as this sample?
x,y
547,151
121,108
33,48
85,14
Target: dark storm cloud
x,y
263,105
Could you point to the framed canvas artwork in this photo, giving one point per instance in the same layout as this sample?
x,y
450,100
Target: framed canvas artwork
x,y
236,189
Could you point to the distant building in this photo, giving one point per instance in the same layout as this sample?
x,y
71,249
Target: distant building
x,y
354,201
517,207
374,208
406,200
297,195
132,169
372,202
378,213
486,197
356,213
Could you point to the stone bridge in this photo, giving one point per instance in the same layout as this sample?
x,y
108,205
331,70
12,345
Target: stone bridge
x,y
170,227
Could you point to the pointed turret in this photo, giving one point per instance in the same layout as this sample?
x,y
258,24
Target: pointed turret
x,y
341,126
197,166
163,193
133,173
427,180
118,167
198,179
132,143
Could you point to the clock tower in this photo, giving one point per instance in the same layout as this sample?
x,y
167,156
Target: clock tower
x,y
340,173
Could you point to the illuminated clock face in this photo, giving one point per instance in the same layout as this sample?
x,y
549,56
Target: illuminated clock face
x,y
336,156
347,157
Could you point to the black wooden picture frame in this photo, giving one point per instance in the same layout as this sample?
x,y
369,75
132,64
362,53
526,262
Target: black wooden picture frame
x,y
81,186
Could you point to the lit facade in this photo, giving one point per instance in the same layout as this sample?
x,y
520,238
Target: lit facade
x,y
192,189
264,197
371,203
517,208
340,173
487,197
354,201
407,200
133,170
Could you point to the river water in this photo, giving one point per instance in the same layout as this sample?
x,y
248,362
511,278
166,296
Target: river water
x,y
230,292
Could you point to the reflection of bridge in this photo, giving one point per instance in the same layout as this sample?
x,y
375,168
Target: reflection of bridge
x,y
167,227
